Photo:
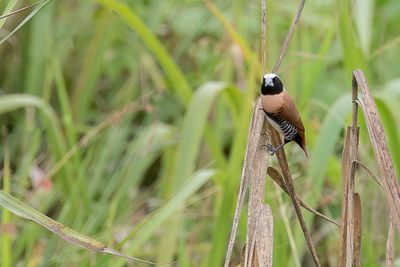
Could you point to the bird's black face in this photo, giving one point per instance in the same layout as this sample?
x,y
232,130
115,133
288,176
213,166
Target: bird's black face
x,y
271,84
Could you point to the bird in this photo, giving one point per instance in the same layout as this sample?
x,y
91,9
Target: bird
x,y
281,112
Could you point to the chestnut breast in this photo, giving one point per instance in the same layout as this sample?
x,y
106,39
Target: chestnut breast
x,y
272,103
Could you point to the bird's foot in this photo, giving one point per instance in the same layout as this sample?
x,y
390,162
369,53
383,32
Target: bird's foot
x,y
270,149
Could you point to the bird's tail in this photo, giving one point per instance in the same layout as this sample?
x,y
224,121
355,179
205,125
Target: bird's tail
x,y
305,151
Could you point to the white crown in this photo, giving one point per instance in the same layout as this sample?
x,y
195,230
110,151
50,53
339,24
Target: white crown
x,y
270,76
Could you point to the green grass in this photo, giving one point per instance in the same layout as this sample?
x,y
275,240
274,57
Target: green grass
x,y
138,114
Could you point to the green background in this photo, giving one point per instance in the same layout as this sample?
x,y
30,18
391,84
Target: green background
x,y
110,109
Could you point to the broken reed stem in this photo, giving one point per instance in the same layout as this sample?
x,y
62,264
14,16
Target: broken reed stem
x,y
350,252
259,236
252,140
381,150
256,200
349,165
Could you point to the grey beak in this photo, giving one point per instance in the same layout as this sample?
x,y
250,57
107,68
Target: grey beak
x,y
269,82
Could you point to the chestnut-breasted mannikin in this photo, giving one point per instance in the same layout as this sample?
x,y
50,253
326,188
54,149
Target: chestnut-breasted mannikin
x,y
281,112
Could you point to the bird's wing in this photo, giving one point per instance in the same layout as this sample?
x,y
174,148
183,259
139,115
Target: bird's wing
x,y
290,113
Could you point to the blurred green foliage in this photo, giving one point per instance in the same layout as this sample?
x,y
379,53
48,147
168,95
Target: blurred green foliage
x,y
108,109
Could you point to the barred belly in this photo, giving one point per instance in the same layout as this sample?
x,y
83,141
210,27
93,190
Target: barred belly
x,y
286,129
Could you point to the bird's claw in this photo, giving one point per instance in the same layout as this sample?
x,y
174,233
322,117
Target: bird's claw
x,y
270,149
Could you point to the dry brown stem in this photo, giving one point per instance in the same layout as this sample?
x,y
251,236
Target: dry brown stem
x,y
350,252
259,236
281,156
381,151
357,230
349,165
259,246
254,168
259,220
390,245
281,153
256,174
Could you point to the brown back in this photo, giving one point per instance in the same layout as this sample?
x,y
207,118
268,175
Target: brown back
x,y
290,113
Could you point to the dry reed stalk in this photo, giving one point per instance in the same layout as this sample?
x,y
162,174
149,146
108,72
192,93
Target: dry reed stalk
x,y
390,244
357,230
253,154
259,236
350,252
253,172
257,194
381,151
349,165
345,200
276,140
259,223
264,236
257,209
281,156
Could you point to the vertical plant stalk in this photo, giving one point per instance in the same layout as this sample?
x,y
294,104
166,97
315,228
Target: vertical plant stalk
x,y
276,140
259,236
385,164
249,252
264,236
254,168
357,230
390,244
381,151
257,209
349,165
255,129
281,156
345,198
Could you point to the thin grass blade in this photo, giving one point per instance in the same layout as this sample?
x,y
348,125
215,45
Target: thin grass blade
x,y
27,18
22,210
9,7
